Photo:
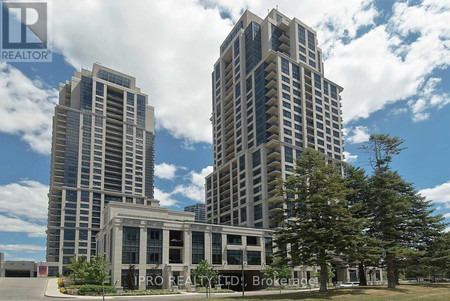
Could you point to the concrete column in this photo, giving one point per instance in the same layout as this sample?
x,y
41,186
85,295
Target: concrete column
x,y
116,260
167,276
165,248
224,248
187,243
244,249
142,257
208,255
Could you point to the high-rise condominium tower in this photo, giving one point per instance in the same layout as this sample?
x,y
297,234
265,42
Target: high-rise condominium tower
x,y
199,210
270,100
102,151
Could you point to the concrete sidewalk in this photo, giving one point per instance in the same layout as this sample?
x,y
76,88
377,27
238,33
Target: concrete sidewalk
x,y
52,291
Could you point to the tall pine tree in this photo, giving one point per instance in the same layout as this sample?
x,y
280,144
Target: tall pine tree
x,y
401,219
316,222
368,250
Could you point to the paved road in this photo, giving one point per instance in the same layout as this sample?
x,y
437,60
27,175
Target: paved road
x,y
34,289
22,288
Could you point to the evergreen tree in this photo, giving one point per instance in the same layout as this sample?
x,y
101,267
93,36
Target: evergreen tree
x,y
368,250
131,278
401,218
316,222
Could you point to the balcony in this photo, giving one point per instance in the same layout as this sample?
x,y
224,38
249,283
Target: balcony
x,y
274,162
284,38
271,83
271,66
273,153
228,67
270,118
272,127
272,109
271,75
271,92
272,101
273,172
283,24
272,137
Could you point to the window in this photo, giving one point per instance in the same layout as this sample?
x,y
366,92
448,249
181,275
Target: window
x,y
256,158
237,90
130,245
99,88
311,41
154,277
83,234
302,35
175,256
234,239
234,256
244,214
125,277
285,66
257,212
268,249
154,246
242,163
286,114
216,248
288,157
69,234
296,73
253,257
252,241
198,247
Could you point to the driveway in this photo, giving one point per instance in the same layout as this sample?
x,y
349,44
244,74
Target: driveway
x,y
22,288
34,289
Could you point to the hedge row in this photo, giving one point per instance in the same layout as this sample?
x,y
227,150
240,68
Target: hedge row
x,y
95,289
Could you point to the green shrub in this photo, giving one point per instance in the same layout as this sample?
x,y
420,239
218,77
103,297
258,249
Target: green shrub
x,y
89,289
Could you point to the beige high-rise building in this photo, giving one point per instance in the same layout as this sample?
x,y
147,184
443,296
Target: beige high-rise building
x,y
102,152
270,100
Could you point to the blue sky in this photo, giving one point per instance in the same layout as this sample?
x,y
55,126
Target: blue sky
x,y
392,60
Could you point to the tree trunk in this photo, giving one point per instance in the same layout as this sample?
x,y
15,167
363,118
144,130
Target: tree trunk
x,y
323,277
390,270
362,274
396,272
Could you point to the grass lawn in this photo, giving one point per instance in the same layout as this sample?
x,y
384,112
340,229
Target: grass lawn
x,y
431,292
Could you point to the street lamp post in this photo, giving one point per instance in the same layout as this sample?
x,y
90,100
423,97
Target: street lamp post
x,y
243,276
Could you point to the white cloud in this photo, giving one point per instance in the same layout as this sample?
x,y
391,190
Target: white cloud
x,y
165,171
349,157
439,194
26,108
195,190
164,198
429,97
173,60
446,215
169,46
9,224
21,247
383,66
26,199
23,207
358,134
